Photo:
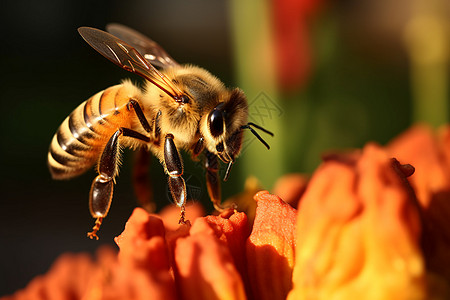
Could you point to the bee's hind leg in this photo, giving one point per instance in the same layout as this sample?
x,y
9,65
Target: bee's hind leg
x,y
102,187
142,181
174,168
141,175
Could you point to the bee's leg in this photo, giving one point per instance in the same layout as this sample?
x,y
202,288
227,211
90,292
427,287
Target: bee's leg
x,y
141,180
213,180
174,168
198,147
103,185
140,114
157,129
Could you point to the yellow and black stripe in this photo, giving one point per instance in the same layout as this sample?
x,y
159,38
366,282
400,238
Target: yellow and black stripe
x,y
80,139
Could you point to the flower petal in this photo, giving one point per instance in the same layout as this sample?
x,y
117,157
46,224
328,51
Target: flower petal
x,y
171,214
430,155
142,271
68,278
271,247
140,242
290,188
420,147
244,201
233,230
204,266
358,232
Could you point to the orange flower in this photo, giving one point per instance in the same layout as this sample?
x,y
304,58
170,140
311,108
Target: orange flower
x,y
204,261
60,281
204,266
271,247
291,187
360,232
430,154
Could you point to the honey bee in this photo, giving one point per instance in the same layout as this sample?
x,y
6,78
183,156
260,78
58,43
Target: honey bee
x,y
180,107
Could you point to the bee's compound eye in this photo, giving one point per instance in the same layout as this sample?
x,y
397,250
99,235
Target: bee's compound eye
x,y
216,123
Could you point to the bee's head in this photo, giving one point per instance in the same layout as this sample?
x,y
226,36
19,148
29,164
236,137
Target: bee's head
x,y
224,125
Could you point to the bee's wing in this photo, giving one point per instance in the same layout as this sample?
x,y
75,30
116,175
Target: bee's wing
x,y
151,51
127,57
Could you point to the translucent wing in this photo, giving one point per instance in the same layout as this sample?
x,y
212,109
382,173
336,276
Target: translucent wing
x,y
151,51
127,57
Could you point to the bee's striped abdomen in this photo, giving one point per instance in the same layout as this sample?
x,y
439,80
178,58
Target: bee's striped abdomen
x,y
80,139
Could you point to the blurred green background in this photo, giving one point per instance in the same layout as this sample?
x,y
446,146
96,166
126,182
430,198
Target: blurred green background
x,y
320,74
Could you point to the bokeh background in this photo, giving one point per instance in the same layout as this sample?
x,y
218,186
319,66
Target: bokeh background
x,y
320,74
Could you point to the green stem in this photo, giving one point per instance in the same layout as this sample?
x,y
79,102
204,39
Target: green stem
x,y
255,66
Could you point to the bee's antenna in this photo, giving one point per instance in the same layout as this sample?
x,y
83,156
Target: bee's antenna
x,y
248,126
260,128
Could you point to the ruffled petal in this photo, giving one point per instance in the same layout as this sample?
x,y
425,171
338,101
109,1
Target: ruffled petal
x,y
204,266
232,229
429,152
142,271
271,247
358,232
291,187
